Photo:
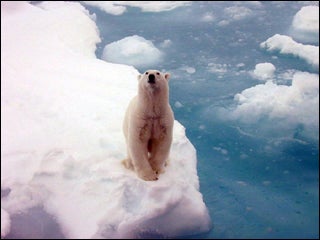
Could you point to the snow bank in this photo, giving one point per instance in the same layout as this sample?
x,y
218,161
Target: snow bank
x,y
286,45
61,138
133,50
305,24
264,71
119,7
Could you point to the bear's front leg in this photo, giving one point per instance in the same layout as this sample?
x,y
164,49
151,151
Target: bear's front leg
x,y
139,156
159,155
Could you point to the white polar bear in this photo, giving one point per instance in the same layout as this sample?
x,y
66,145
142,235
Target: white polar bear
x,y
148,126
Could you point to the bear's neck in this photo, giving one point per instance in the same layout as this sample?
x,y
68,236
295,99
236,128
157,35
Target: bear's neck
x,y
154,104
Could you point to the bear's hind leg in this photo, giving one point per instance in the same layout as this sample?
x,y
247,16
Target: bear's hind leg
x,y
127,163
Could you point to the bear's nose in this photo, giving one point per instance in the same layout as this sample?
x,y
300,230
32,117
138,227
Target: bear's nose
x,y
151,78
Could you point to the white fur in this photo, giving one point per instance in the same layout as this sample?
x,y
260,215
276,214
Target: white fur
x,y
148,126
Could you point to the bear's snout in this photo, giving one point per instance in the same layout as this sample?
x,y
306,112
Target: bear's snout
x,y
151,79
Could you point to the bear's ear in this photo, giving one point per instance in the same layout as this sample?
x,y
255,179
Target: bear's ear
x,y
139,77
167,76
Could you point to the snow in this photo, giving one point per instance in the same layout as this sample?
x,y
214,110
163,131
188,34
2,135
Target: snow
x,y
152,6
62,144
188,69
5,223
133,50
305,24
166,43
286,45
292,105
178,104
233,14
208,17
264,71
108,6
221,150
119,7
307,19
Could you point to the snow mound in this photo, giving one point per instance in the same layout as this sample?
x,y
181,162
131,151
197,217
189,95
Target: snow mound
x,y
107,6
133,50
305,24
264,71
62,143
295,104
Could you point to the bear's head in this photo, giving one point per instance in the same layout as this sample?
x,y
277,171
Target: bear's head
x,y
154,81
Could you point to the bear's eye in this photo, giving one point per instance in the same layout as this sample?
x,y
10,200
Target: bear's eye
x,y
158,73
147,73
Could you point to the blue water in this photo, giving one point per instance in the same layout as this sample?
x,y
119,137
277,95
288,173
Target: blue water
x,y
257,181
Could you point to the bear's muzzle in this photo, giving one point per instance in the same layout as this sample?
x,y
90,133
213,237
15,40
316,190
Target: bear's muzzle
x,y
151,79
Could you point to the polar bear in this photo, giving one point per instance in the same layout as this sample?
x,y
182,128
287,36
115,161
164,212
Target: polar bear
x,y
147,126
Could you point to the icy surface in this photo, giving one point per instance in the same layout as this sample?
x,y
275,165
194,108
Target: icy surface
x,y
305,24
132,50
257,140
264,71
61,138
281,101
286,45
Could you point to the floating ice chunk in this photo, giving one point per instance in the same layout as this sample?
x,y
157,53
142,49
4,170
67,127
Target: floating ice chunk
x,y
242,183
178,104
307,19
166,43
132,50
156,6
208,17
264,71
222,150
107,6
240,65
305,24
286,45
295,104
189,70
